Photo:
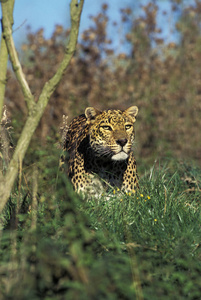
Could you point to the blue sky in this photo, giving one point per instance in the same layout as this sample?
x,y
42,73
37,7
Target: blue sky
x,y
48,13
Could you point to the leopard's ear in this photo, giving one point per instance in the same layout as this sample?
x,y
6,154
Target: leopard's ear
x,y
91,113
132,111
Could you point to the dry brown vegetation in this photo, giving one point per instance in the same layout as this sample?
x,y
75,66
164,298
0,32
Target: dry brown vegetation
x,y
163,80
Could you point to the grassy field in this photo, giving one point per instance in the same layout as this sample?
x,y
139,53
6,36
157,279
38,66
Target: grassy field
x,y
146,245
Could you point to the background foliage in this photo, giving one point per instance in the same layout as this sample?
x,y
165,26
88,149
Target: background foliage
x,y
54,244
162,79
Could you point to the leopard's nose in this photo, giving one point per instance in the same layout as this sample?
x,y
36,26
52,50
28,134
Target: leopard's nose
x,y
122,142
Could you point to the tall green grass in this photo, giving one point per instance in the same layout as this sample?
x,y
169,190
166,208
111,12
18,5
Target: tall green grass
x,y
161,223
121,246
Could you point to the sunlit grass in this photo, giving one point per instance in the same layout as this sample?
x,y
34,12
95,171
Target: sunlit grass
x,y
162,211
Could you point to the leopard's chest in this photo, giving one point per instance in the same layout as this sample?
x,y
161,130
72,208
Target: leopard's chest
x,y
110,173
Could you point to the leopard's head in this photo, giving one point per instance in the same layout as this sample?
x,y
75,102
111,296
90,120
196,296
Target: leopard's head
x,y
111,132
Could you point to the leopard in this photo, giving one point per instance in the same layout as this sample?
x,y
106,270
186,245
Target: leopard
x,y
98,151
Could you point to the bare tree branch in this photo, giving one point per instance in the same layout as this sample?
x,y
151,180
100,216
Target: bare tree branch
x,y
7,34
4,57
39,107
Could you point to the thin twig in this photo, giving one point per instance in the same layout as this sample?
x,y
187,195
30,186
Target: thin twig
x,y
34,205
7,34
4,57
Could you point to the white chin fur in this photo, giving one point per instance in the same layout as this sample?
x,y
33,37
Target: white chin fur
x,y
120,156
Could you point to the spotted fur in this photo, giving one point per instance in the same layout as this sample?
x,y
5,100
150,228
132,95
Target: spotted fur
x,y
99,145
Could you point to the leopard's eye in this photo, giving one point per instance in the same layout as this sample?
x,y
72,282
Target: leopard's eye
x,y
105,127
127,127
